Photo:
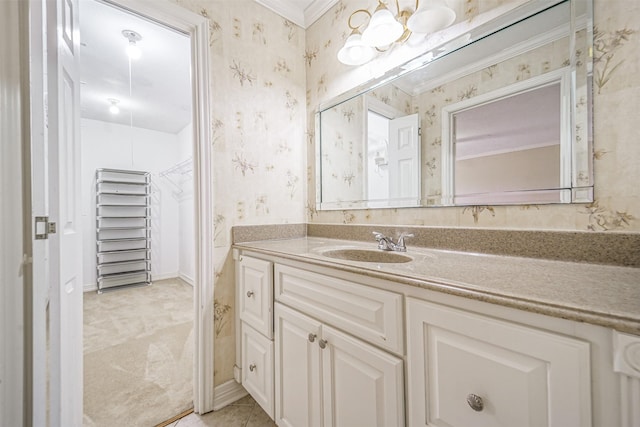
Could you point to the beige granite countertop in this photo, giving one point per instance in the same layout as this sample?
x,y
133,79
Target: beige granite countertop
x,y
598,294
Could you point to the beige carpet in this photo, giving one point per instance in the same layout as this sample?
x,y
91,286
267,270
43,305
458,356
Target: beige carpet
x,y
138,354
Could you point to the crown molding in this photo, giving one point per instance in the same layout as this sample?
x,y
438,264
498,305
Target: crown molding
x,y
316,9
300,13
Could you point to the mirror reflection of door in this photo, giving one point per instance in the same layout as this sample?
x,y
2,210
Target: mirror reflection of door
x,y
393,157
404,157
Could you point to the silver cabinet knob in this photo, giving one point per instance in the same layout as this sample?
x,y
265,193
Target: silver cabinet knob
x,y
249,294
252,367
312,337
475,402
322,343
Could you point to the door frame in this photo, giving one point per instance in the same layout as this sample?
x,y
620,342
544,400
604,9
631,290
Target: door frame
x,y
197,28
15,271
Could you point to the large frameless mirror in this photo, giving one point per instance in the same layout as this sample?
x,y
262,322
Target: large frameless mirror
x,y
500,115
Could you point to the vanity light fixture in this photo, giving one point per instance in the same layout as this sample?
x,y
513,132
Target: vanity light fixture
x,y
383,29
133,50
355,51
113,108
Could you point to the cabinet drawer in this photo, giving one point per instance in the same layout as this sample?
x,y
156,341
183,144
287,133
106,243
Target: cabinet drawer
x,y
257,367
255,293
370,314
521,375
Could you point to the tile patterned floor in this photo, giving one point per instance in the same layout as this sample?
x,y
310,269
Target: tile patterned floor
x,y
243,413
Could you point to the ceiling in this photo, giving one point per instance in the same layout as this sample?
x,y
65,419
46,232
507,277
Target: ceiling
x,y
156,94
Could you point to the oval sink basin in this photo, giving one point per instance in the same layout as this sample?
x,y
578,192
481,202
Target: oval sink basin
x,y
366,255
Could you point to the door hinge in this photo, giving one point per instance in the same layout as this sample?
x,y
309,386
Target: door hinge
x,y
44,227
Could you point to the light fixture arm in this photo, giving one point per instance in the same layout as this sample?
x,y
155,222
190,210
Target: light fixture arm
x,y
365,11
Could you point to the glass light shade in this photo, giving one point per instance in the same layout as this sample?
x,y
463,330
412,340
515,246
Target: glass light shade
x,y
383,29
133,51
113,109
354,51
432,16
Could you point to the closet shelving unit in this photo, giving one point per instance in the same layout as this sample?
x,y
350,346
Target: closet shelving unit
x,y
123,228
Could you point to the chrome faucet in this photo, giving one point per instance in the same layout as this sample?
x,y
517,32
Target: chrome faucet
x,y
386,243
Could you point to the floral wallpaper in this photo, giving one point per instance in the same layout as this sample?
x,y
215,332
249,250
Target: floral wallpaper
x,y
267,78
342,154
343,151
258,136
616,153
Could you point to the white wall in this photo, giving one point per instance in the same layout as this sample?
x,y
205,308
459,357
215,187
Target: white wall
x,y
186,252
107,145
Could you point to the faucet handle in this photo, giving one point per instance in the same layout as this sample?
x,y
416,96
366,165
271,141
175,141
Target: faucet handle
x,y
378,236
400,245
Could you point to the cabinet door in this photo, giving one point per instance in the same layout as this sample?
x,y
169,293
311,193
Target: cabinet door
x,y
255,293
257,367
362,385
466,369
298,397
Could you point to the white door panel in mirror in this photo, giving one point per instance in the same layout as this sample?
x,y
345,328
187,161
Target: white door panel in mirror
x,y
528,49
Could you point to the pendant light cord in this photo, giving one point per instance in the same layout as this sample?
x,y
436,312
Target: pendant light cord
x,y
130,113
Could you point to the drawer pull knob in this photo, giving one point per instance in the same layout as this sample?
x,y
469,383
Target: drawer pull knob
x,y
312,337
475,402
322,343
252,367
249,294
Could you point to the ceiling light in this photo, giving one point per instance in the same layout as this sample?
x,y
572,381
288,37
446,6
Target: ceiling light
x,y
113,108
383,30
432,16
133,50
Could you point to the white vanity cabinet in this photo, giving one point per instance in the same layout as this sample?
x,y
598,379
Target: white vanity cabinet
x,y
255,304
328,378
469,369
324,374
321,346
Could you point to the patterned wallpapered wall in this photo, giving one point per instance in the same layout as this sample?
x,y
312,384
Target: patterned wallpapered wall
x,y
258,137
616,151
261,72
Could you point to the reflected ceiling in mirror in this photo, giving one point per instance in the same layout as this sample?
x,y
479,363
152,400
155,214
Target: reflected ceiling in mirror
x,y
500,115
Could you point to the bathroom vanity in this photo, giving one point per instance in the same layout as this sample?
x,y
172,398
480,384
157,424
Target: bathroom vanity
x,y
443,338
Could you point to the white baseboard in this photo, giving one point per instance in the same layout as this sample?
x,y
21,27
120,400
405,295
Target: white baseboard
x,y
89,287
227,393
164,276
188,279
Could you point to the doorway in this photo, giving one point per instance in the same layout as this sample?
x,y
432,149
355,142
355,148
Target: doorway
x,y
56,318
136,122
137,119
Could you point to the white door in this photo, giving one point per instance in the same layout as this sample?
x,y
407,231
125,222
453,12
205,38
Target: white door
x,y
39,207
297,369
65,299
362,385
404,158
